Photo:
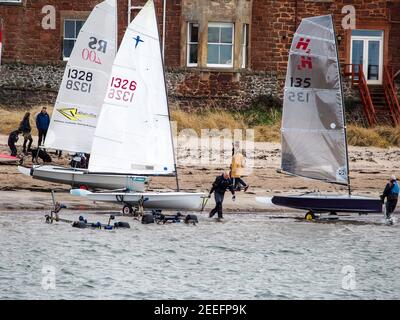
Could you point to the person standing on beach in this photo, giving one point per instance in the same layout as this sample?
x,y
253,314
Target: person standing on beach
x,y
237,168
25,128
42,124
391,192
12,140
220,185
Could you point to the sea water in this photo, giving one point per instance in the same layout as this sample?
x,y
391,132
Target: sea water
x,y
249,256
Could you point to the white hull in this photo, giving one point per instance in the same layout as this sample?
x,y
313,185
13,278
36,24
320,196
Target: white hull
x,y
153,200
81,177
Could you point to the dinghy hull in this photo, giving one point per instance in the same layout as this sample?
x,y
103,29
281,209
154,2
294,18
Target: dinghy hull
x,y
5,158
328,203
81,177
153,200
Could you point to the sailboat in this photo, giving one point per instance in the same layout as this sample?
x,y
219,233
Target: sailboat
x,y
79,101
314,143
133,135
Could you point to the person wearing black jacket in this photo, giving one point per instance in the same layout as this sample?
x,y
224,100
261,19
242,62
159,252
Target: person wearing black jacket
x,y
25,128
220,185
12,140
391,193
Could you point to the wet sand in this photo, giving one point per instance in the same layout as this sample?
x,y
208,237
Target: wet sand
x,y
369,170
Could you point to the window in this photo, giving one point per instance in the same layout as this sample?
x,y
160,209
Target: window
x,y
10,1
192,44
71,31
367,51
245,46
220,45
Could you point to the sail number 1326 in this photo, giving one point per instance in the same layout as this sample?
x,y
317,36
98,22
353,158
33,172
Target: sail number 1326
x,y
121,89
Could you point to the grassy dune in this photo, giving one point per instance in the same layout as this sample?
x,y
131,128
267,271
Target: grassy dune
x,y
225,120
266,125
268,128
381,136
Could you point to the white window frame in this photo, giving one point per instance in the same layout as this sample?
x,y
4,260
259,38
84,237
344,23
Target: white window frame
x,y
222,25
245,47
64,38
11,1
189,43
366,39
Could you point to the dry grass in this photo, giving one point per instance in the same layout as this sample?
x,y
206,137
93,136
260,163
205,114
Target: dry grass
x,y
271,133
208,120
224,120
390,134
365,137
382,137
11,118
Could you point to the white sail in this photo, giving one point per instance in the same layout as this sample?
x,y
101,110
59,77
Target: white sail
x,y
133,134
85,82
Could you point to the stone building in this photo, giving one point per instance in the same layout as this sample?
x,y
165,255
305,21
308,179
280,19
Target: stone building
x,y
218,53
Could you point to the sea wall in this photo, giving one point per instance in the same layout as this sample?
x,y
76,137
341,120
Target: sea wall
x,y
26,85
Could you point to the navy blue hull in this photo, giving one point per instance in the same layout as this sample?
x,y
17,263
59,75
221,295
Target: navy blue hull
x,y
329,204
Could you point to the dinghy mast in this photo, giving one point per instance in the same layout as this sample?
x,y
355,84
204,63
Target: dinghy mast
x,y
344,108
166,92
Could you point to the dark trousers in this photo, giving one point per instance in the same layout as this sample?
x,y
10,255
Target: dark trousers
x,y
26,139
42,136
219,199
390,206
237,182
13,149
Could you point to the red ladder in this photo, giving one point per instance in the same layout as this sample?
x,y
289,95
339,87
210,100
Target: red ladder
x,y
391,94
358,78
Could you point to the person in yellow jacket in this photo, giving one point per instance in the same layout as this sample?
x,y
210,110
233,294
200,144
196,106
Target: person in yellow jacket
x,y
238,169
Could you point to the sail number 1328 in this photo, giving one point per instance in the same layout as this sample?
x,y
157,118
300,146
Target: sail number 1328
x,y
121,89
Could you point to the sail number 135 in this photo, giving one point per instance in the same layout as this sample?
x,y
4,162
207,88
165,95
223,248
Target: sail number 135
x,y
300,82
299,96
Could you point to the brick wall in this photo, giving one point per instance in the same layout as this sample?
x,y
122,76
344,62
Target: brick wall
x,y
272,24
262,37
26,41
394,41
272,33
24,38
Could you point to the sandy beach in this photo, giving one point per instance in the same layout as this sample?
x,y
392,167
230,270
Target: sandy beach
x,y
370,168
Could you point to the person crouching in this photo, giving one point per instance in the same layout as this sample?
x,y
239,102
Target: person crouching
x,y
391,192
12,140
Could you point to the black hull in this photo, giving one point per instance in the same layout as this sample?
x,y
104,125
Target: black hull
x,y
320,204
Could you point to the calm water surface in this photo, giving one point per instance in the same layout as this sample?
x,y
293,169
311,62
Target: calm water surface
x,y
247,257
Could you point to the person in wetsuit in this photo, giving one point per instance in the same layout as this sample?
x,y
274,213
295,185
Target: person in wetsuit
x,y
12,140
391,193
220,185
